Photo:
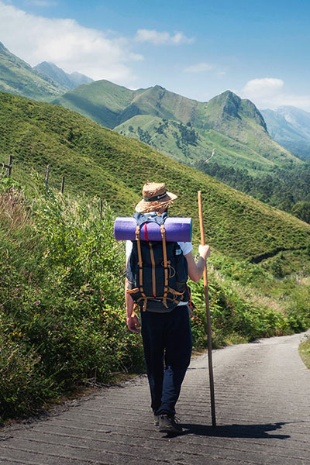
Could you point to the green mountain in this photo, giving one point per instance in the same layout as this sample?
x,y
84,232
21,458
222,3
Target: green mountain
x,y
187,130
17,77
98,161
227,129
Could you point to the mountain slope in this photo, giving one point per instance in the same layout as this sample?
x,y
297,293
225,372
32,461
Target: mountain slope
x,y
100,162
290,127
17,77
185,129
101,101
231,129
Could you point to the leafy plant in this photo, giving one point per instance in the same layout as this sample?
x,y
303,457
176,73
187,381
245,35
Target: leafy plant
x,y
62,317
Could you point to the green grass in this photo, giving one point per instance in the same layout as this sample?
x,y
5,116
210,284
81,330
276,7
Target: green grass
x,y
304,350
97,161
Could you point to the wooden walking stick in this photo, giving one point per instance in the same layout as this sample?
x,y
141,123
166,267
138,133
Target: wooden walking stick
x,y
209,328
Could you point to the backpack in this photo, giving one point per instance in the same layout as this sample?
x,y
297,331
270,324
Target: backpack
x,y
157,271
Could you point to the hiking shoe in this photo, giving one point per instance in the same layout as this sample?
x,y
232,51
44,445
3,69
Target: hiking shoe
x,y
156,420
169,424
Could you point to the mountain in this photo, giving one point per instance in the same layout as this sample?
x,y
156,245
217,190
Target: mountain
x,y
17,77
67,81
290,127
227,129
99,162
231,128
44,82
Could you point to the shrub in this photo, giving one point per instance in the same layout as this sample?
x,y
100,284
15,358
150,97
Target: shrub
x,y
61,301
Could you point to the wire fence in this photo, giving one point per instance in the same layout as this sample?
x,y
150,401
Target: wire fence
x,y
9,167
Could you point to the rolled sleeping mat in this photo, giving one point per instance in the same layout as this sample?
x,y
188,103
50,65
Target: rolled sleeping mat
x,y
177,230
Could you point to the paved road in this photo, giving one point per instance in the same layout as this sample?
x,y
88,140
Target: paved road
x,y
262,393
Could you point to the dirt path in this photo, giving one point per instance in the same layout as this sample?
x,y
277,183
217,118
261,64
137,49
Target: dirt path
x,y
262,393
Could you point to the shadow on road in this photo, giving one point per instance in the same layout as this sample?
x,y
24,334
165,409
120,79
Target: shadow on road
x,y
237,431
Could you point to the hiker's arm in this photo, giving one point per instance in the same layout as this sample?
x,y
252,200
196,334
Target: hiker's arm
x,y
195,269
132,320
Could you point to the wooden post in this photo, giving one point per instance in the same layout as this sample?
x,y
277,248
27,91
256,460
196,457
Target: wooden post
x,y
47,174
8,165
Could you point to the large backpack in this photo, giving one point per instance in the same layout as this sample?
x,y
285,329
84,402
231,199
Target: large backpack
x,y
156,270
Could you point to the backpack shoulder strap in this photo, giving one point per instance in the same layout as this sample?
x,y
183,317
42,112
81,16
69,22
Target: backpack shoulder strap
x,y
140,267
165,263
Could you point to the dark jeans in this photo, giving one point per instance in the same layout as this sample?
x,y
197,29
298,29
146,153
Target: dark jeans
x,y
167,342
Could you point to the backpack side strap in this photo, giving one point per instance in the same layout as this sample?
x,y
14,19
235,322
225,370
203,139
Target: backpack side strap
x,y
140,266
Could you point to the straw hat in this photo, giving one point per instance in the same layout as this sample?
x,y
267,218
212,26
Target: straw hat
x,y
155,197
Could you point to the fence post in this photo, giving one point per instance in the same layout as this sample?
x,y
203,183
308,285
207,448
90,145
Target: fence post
x,y
8,165
47,174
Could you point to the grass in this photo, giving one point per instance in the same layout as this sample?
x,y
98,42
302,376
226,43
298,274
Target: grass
x,y
304,351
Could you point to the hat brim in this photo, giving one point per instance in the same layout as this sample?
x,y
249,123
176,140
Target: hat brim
x,y
144,206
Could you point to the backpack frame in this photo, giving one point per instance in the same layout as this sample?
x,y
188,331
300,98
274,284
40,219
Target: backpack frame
x,y
156,270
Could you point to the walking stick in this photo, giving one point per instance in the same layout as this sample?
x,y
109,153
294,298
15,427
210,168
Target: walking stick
x,y
209,329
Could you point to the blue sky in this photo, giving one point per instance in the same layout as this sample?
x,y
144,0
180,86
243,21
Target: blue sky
x,y
196,48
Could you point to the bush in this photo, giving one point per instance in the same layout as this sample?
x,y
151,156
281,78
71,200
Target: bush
x,y
22,386
61,301
233,319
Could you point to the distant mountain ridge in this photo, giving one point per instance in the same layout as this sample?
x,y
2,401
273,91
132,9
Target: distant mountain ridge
x,y
290,127
68,81
185,129
17,77
43,82
230,128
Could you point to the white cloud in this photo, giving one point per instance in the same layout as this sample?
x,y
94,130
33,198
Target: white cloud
x,y
161,38
263,88
67,44
270,93
199,68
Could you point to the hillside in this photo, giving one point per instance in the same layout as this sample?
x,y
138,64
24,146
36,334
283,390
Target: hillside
x,y
17,77
98,161
231,129
185,129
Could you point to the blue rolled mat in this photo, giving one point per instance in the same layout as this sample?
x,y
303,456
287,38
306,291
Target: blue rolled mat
x,y
177,230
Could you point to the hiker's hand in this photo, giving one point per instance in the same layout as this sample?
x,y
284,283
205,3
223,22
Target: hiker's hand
x,y
133,324
204,251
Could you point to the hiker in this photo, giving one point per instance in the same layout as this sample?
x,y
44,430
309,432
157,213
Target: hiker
x,y
166,333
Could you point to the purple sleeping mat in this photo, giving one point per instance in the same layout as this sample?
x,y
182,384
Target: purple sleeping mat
x,y
177,230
